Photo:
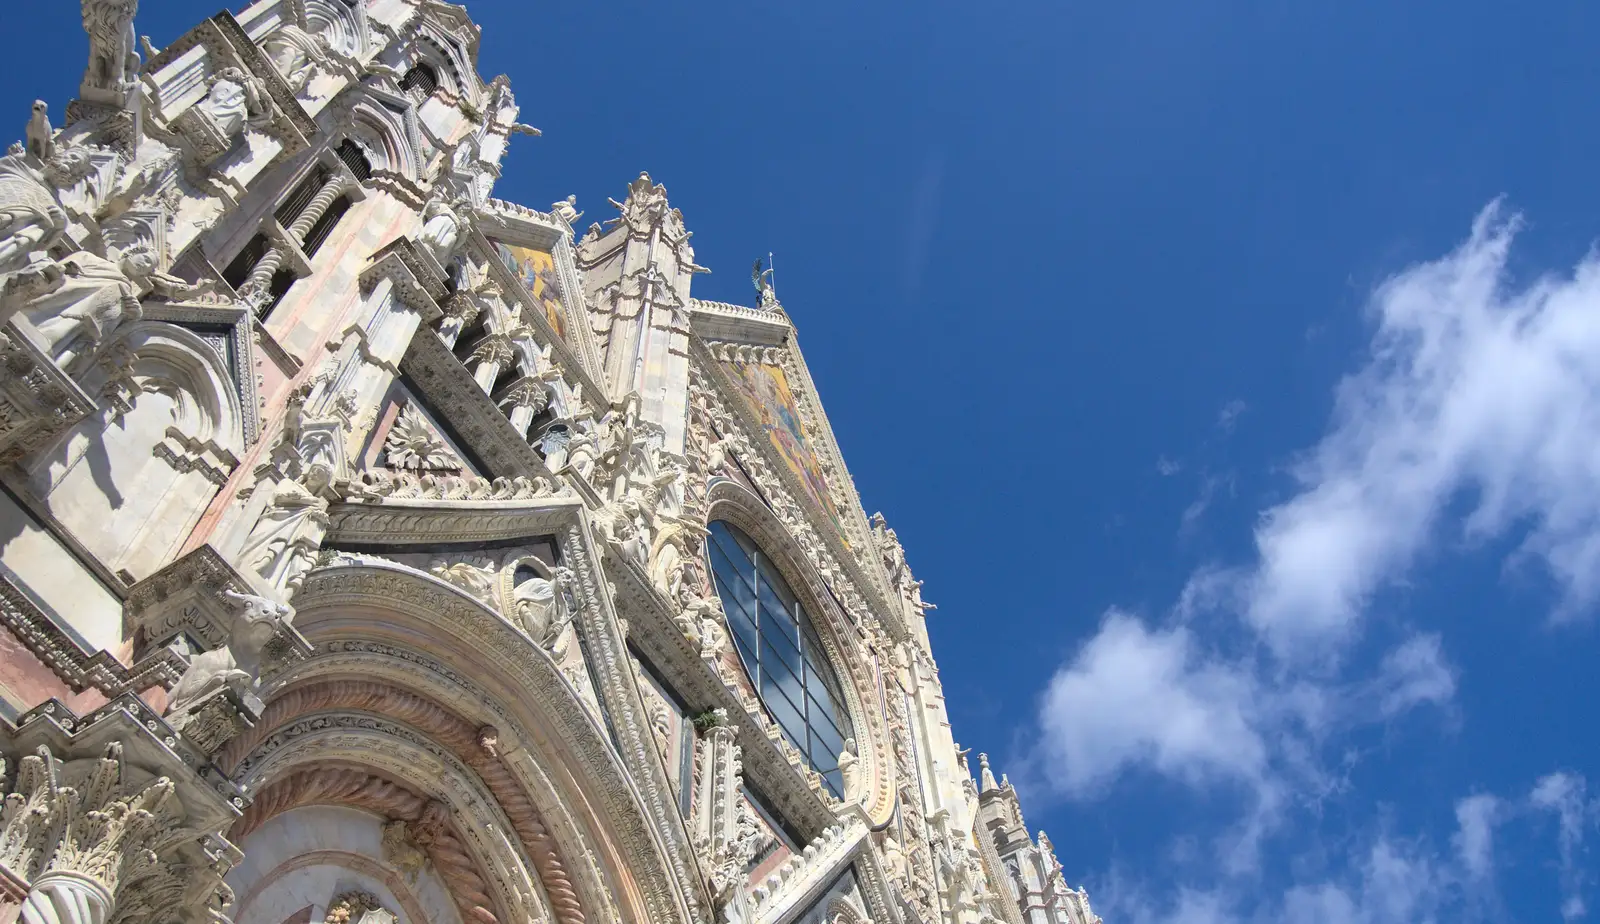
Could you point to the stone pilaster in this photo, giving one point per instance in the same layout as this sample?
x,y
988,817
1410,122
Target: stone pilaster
x,y
716,817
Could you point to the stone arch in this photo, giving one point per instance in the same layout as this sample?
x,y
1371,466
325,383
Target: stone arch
x,y
339,23
457,668
873,784
132,480
352,761
306,856
389,138
448,64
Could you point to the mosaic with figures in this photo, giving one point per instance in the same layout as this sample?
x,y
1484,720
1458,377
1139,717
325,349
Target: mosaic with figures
x,y
765,388
536,270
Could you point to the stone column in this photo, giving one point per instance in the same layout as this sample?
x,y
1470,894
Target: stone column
x,y
718,781
523,401
77,845
489,359
459,311
255,286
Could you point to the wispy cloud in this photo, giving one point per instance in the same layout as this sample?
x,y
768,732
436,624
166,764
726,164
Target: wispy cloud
x,y
1563,795
1210,487
1476,817
1168,467
1228,417
1381,877
1473,390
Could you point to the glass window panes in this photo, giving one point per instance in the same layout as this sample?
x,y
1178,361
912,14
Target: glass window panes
x,y
780,651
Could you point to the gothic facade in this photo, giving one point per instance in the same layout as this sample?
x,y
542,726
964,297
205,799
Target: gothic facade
x,y
375,550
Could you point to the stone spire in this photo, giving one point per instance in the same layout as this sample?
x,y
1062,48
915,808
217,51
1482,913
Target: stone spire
x,y
637,270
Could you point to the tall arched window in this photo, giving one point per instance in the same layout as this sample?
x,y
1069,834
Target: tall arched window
x,y
419,82
780,651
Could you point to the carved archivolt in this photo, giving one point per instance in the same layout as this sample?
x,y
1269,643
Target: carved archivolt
x,y
873,789
472,744
428,821
514,679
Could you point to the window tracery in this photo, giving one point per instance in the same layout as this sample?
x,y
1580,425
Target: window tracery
x,y
781,652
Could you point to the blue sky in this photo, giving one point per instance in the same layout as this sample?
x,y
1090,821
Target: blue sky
x,y
1229,371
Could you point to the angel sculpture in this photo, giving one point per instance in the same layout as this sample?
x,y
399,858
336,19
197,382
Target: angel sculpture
x,y
762,279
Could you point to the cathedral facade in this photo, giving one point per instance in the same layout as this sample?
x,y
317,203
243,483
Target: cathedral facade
x,y
374,550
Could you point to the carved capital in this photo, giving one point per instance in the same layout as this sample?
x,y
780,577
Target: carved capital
x,y
418,283
38,401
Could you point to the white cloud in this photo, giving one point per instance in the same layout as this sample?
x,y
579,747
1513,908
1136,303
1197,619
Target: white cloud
x,y
1476,817
1228,417
1134,696
1476,391
1413,674
1472,388
1168,467
1387,882
1563,794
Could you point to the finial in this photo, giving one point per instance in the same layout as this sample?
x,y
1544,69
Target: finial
x,y
986,776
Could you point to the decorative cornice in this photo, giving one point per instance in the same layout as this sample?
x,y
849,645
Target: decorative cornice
x,y
417,285
453,395
722,321
77,668
392,522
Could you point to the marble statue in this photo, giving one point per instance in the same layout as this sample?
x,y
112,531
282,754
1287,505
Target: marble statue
x,y
113,62
542,607
474,579
234,100
567,210
762,280
847,765
441,229
236,664
31,216
94,297
281,546
39,136
296,54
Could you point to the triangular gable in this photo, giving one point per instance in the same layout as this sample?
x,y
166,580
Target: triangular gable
x,y
407,437
533,261
765,387
773,391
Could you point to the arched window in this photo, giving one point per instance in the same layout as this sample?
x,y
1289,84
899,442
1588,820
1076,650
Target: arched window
x,y
780,651
355,158
419,82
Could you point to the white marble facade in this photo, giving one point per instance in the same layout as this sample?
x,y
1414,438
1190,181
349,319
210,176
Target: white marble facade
x,y
375,550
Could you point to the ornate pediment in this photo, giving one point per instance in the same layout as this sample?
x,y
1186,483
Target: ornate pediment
x,y
228,329
786,447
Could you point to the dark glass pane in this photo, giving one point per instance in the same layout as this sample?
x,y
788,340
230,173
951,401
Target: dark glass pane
x,y
774,612
776,657
824,756
835,782
782,709
831,741
727,556
737,594
779,647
